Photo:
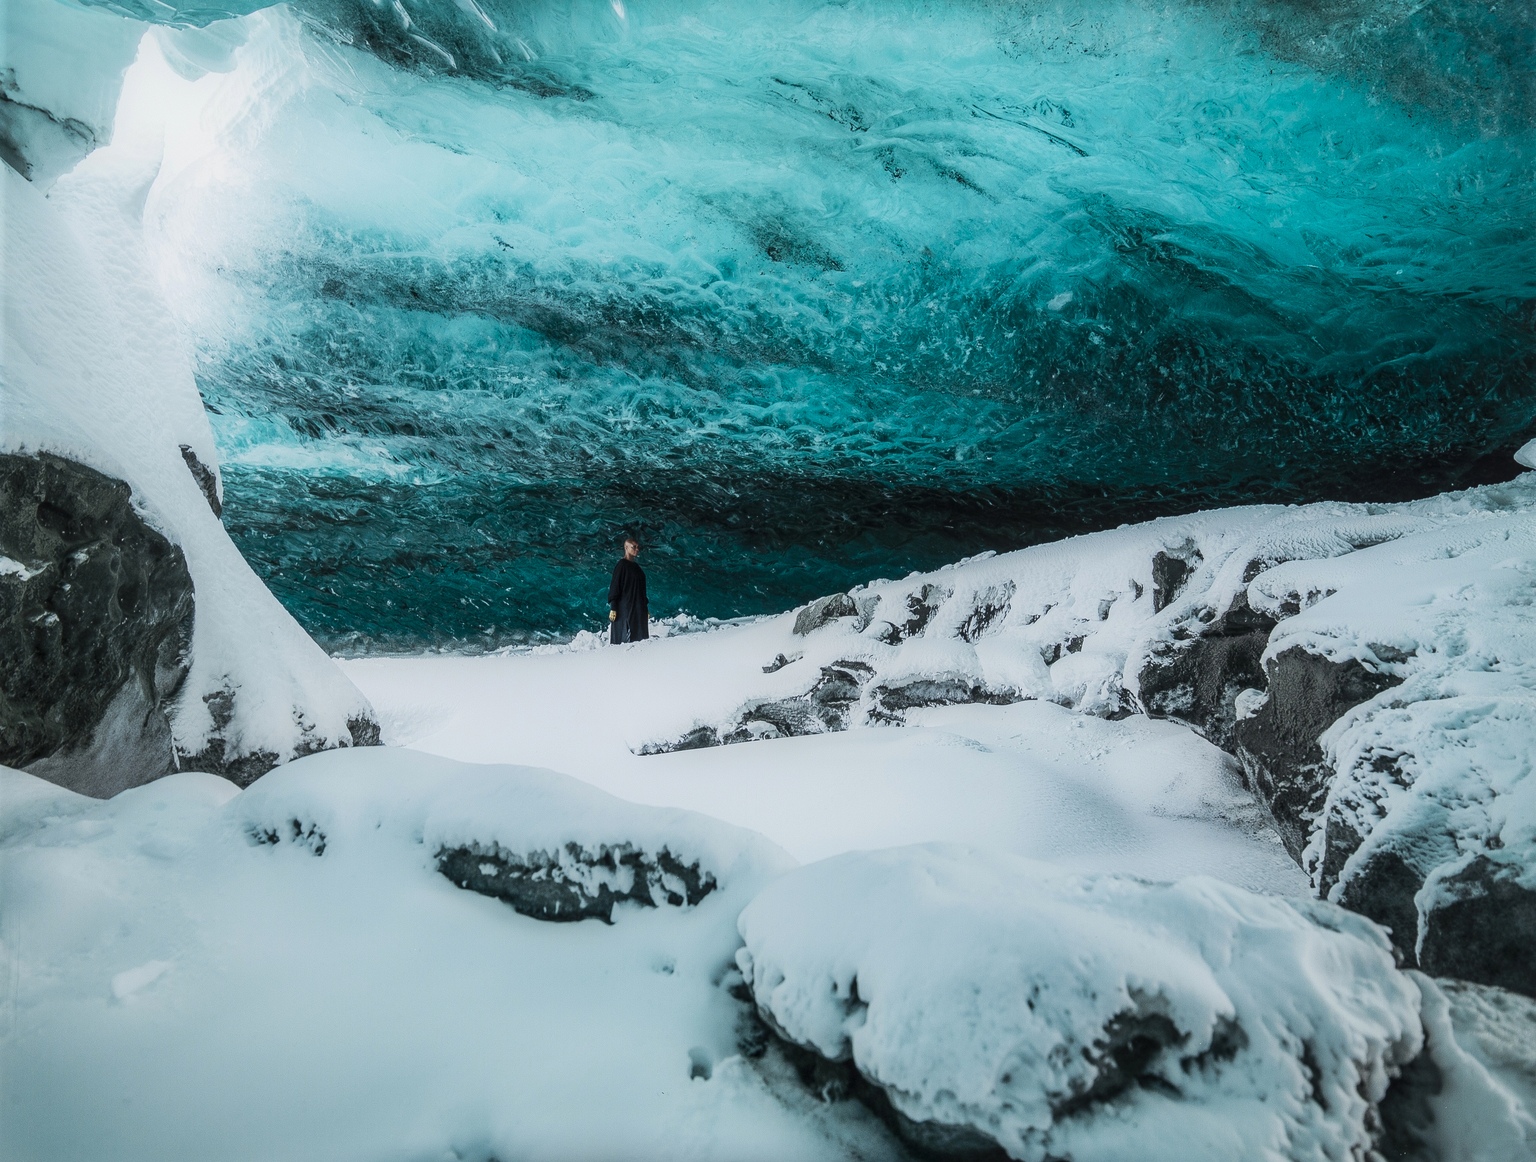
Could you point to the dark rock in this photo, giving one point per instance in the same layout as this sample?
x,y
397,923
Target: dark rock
x,y
584,885
921,606
778,663
990,606
364,732
1382,889
824,610
836,1081
1170,572
891,701
95,627
825,707
1278,745
1482,928
1406,1113
206,480
1197,680
295,831
1132,1041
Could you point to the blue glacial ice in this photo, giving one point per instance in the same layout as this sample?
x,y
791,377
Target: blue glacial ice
x,y
808,292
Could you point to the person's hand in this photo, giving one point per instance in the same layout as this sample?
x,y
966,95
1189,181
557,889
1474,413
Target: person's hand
x,y
613,615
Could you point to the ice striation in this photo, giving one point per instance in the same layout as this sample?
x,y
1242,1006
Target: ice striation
x,y
816,291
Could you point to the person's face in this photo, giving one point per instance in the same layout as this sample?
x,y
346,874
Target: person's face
x,y
631,550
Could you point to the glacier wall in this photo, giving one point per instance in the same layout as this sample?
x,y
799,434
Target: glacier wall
x,y
811,291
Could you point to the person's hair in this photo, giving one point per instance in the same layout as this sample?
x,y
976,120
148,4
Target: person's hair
x,y
630,539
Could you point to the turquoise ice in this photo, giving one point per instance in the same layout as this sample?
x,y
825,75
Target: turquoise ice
x,y
812,292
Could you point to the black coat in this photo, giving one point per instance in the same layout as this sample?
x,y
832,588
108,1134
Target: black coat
x,y
626,597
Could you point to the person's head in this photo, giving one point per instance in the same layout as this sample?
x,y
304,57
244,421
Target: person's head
x,y
631,547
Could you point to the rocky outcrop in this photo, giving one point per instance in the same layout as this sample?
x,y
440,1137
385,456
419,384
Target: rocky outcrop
x,y
1197,678
576,884
1279,746
96,616
1465,917
866,973
1480,925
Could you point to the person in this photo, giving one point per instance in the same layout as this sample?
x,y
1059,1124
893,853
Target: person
x,y
629,614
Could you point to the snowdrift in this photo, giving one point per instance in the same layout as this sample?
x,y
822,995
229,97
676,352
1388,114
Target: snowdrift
x,y
314,935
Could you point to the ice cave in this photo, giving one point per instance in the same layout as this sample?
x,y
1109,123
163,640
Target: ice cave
x,y
1072,692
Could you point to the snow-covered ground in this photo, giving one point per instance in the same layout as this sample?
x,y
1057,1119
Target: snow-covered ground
x,y
179,988
296,971
1137,796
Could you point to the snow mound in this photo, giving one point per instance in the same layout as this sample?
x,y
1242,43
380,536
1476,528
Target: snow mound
x,y
1090,1017
490,824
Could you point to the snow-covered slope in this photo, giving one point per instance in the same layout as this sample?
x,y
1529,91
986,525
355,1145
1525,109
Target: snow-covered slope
x,y
1135,796
188,989
94,372
297,970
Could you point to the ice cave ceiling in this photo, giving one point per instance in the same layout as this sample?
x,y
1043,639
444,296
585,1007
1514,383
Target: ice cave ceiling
x,y
813,292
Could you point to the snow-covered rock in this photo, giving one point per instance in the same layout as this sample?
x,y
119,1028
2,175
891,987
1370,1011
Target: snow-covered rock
x,y
1421,808
985,999
95,375
1372,665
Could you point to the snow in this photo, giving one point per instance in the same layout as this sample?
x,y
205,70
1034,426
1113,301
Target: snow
x,y
982,990
1143,797
179,991
194,971
94,370
1442,587
1440,768
300,937
63,70
1479,1113
1445,585
1498,1028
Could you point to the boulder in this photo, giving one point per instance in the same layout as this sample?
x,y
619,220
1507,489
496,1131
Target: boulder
x,y
823,611
987,1006
96,611
1279,745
